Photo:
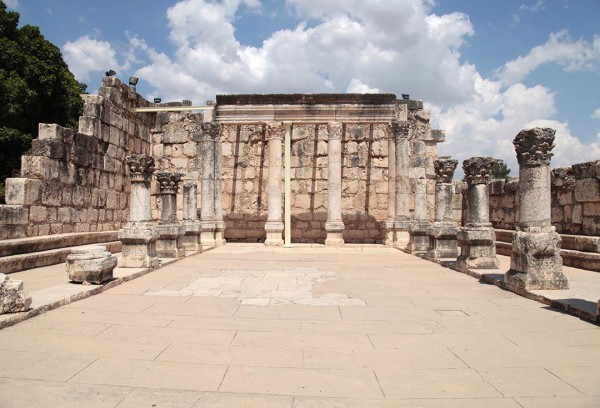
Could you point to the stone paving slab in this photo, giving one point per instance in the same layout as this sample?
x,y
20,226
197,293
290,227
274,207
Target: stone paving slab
x,y
423,336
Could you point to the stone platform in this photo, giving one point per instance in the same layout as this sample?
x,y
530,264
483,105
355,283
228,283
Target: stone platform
x,y
364,326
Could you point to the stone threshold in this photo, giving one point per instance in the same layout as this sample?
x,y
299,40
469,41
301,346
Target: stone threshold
x,y
51,298
577,307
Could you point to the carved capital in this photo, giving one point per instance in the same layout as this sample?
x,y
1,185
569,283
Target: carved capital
x,y
533,146
168,183
211,130
275,130
444,169
140,166
478,170
400,129
334,130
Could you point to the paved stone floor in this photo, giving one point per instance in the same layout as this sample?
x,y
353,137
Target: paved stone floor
x,y
305,327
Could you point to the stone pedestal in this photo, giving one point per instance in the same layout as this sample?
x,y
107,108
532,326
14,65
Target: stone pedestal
x,y
191,239
477,238
388,227
207,234
215,129
535,262
274,225
419,238
91,264
442,233
388,224
334,225
170,240
12,296
138,237
208,218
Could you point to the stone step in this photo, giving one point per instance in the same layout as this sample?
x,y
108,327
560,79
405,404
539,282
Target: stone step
x,y
47,242
577,250
21,262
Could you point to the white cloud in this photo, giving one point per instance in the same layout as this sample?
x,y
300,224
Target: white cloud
x,y
13,4
596,114
86,55
559,49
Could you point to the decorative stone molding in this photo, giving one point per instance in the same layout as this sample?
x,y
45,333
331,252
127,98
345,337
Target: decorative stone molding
x,y
211,129
168,183
400,128
335,130
444,169
92,264
275,130
12,296
533,146
141,167
478,170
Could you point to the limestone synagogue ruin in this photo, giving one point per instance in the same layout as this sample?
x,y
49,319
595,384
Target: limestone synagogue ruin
x,y
166,180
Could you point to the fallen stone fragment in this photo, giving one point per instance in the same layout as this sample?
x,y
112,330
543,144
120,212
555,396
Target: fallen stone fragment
x,y
92,264
12,296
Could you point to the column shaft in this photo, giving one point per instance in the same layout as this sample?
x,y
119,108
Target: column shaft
x,y
274,225
334,225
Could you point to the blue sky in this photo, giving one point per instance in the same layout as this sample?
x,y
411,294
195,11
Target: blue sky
x,y
485,68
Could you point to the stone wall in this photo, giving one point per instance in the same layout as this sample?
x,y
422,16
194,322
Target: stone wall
x,y
575,200
75,181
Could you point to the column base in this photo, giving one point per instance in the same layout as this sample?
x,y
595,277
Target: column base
x,y
169,243
335,231
535,263
478,248
274,230
418,238
207,234
219,233
138,243
443,242
390,233
191,239
401,235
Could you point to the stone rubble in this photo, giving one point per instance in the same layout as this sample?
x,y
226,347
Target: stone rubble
x,y
90,264
12,296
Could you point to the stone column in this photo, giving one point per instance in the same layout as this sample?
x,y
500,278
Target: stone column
x,y
418,238
170,241
334,225
477,239
402,190
535,262
191,239
391,203
138,237
442,234
274,225
215,129
207,185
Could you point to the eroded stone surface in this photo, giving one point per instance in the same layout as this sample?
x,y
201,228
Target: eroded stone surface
x,y
266,287
12,296
92,264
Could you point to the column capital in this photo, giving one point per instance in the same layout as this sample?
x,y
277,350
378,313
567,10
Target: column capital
x,y
211,130
274,130
334,130
140,166
168,183
400,129
444,169
478,170
533,146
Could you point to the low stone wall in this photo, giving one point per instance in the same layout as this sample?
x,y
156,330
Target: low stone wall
x,y
75,181
575,200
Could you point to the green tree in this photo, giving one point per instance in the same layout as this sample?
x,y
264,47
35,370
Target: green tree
x,y
36,86
500,170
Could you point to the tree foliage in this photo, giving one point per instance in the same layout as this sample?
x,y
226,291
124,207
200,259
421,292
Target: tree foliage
x,y
500,170
36,86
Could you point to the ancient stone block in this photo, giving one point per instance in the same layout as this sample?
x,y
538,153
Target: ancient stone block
x,y
14,214
587,190
12,296
22,191
91,264
50,131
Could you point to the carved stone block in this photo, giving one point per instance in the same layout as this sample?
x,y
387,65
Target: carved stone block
x,y
12,296
92,264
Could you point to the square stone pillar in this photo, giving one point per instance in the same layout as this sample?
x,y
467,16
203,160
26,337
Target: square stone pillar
x,y
138,238
388,224
334,225
274,225
208,225
535,262
442,233
477,239
218,194
418,238
170,241
191,239
401,131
